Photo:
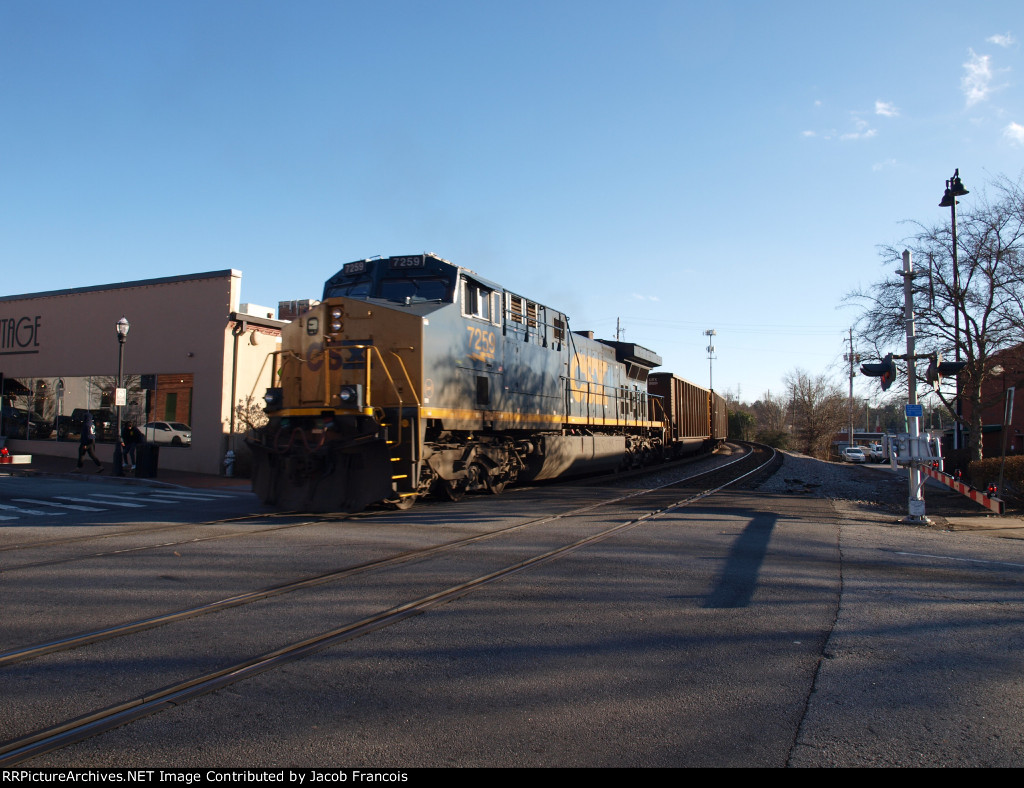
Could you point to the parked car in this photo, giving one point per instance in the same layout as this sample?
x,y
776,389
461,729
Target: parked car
x,y
103,418
853,454
877,453
16,421
168,433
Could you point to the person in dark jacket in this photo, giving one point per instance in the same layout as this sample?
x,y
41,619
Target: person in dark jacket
x,y
87,444
130,440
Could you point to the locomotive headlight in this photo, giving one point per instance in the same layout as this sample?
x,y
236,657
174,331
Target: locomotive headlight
x,y
274,399
351,396
336,313
336,326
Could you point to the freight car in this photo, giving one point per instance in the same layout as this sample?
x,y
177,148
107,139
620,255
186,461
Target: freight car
x,y
415,376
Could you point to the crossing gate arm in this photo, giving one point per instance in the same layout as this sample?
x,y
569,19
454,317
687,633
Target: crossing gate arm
x,y
995,504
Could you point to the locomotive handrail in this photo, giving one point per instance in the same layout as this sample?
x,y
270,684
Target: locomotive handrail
x,y
415,396
384,365
593,393
406,373
368,404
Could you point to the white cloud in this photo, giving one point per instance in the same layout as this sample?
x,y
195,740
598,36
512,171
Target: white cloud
x,y
863,132
640,297
1014,133
808,133
884,165
1002,39
977,82
886,108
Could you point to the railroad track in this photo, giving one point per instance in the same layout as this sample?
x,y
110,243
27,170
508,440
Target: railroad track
x,y
626,511
8,566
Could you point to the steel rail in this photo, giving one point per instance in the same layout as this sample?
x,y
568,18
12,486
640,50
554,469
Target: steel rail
x,y
107,633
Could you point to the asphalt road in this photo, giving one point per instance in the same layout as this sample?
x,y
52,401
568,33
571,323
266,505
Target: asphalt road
x,y
746,630
89,499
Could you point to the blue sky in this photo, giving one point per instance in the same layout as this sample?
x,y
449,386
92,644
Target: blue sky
x,y
679,166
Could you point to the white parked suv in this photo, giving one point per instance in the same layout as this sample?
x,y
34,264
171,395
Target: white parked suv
x,y
168,433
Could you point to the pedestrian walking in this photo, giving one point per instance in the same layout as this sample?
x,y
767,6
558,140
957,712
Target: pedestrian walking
x,y
87,443
130,440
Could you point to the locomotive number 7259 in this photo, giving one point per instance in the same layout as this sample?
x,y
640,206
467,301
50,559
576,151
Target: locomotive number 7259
x,y
481,344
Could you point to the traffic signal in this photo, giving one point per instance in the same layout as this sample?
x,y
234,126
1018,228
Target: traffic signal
x,y
939,369
886,370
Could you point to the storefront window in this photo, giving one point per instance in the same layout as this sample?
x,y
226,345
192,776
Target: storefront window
x,y
159,405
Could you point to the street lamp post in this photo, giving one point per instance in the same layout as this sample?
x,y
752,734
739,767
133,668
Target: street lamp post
x,y
119,395
954,189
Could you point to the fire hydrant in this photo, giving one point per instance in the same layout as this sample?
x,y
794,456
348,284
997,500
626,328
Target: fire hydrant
x,y
229,463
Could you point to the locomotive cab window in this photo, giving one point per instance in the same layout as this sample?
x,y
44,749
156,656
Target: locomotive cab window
x,y
476,300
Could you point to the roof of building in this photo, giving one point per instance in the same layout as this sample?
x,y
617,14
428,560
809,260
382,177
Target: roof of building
x,y
163,280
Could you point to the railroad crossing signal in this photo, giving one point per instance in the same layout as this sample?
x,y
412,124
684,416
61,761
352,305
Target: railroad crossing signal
x,y
939,369
886,370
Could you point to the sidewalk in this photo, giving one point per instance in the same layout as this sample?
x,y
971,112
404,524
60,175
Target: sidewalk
x,y
46,465
973,516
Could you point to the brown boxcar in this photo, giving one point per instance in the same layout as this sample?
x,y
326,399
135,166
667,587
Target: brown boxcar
x,y
719,418
696,416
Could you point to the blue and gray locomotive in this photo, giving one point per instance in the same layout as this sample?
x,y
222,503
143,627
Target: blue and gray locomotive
x,y
417,376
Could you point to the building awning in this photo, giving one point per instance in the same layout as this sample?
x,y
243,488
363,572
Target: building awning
x,y
12,387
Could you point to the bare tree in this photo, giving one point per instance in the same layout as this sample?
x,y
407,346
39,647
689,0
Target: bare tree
x,y
981,309
771,413
819,411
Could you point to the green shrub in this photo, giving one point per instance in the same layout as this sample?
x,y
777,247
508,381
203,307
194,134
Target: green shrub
x,y
775,438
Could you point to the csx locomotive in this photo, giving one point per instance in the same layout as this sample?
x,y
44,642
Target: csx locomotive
x,y
417,376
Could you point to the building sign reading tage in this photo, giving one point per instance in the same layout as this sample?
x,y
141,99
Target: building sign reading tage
x,y
19,335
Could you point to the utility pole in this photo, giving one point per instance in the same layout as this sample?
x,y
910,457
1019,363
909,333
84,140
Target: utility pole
x,y
710,334
853,359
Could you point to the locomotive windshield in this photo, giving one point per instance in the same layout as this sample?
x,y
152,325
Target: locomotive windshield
x,y
401,280
414,288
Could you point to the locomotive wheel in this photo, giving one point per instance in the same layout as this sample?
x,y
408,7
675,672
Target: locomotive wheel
x,y
402,502
496,487
454,489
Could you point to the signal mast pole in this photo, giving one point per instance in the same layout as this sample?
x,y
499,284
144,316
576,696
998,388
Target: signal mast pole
x,y
915,502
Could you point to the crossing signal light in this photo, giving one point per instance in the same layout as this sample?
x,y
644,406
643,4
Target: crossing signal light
x,y
939,369
886,370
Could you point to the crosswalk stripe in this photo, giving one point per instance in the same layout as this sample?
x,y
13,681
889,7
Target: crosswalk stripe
x,y
195,496
203,496
110,503
146,498
29,511
61,505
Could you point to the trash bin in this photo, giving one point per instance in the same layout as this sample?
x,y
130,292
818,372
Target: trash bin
x,y
147,458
